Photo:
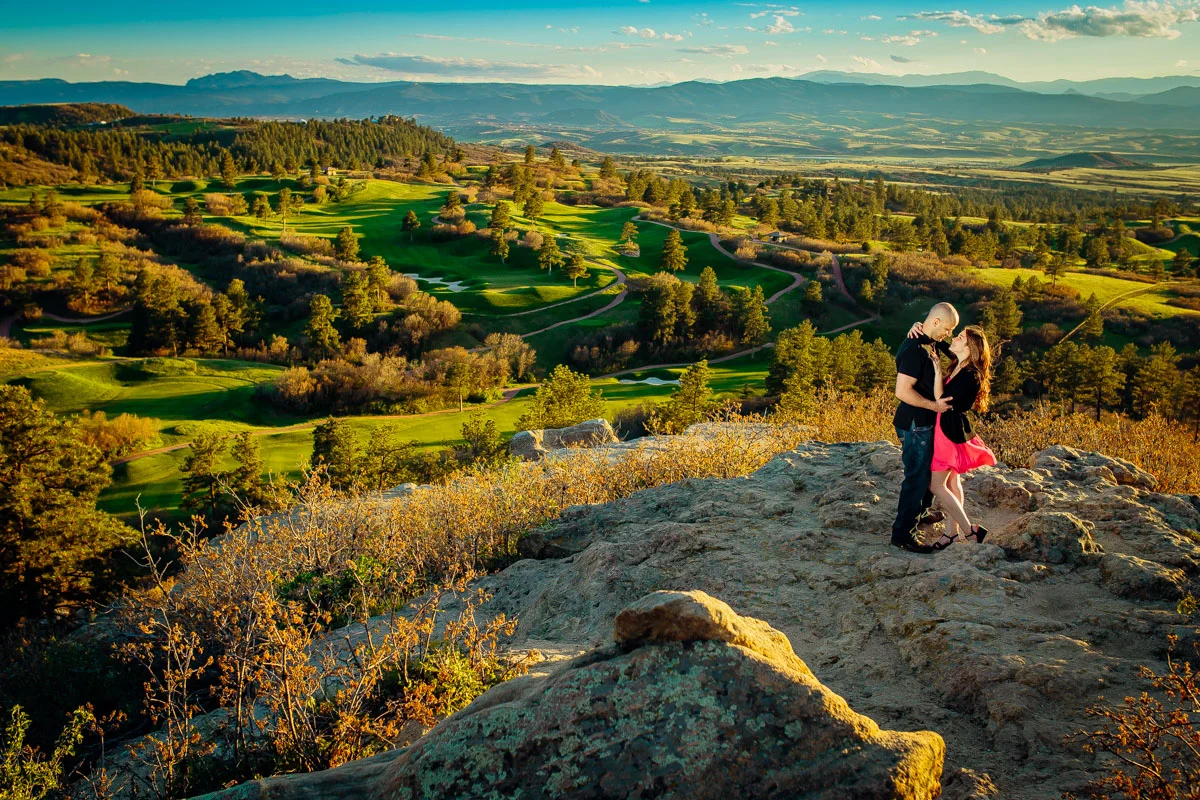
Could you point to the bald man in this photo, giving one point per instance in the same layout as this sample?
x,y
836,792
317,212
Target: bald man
x,y
914,421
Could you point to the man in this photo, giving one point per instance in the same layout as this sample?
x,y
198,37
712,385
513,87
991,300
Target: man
x,y
914,421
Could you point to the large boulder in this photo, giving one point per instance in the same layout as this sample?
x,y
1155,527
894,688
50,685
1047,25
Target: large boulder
x,y
1051,537
692,701
533,445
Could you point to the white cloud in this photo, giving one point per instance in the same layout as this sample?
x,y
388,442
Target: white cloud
x,y
903,41
981,51
867,64
777,11
719,50
781,25
1181,62
480,68
871,18
961,19
821,58
1149,19
702,19
672,37
769,43
645,33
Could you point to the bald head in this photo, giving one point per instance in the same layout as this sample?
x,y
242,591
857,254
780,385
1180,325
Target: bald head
x,y
941,321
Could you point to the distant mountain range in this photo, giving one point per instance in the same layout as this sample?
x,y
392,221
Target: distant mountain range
x,y
652,119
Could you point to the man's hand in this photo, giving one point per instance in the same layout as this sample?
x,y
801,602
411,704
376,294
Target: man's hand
x,y
940,406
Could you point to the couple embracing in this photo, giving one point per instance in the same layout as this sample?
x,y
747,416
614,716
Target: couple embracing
x,y
937,443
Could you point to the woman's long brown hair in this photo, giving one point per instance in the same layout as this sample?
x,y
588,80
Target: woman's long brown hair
x,y
979,358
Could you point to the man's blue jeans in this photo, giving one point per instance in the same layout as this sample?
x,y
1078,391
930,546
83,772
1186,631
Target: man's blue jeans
x,y
916,450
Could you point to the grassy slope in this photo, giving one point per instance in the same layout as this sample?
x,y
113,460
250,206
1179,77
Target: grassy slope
x,y
1153,303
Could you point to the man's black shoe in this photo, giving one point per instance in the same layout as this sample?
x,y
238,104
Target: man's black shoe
x,y
930,518
913,546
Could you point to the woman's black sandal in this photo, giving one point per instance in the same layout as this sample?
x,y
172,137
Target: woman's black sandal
x,y
979,532
940,545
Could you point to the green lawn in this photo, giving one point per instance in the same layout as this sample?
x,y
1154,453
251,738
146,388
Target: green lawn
x,y
1153,303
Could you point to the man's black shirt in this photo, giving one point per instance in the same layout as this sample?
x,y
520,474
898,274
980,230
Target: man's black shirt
x,y
915,361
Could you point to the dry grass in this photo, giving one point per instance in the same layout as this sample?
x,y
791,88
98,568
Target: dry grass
x,y
1162,447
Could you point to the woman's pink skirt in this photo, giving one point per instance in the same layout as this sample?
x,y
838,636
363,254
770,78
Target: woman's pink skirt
x,y
960,458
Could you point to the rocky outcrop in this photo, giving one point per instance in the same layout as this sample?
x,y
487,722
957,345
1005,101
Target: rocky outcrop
x,y
999,647
690,701
534,445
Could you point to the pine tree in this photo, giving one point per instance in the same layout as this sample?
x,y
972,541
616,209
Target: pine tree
x,y
482,443
411,224
566,398
228,170
549,256
202,482
1100,379
751,315
334,449
813,299
246,480
386,461
689,403
500,246
322,336
1189,400
1053,267
674,253
557,162
285,205
1181,264
379,278
534,204
1155,380
347,244
608,169
576,268
1093,324
501,216
358,304
1002,316
206,334
462,377
629,232
191,212
530,154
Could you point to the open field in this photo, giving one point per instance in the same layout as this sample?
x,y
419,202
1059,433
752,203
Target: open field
x,y
1153,303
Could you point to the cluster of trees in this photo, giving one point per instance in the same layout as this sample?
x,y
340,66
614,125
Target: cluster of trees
x,y
804,362
120,150
1099,377
169,317
388,460
219,494
56,548
370,382
677,318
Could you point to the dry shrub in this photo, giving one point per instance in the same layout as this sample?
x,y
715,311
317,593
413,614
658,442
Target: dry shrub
x,y
118,436
302,639
794,260
1162,447
225,205
1155,740
39,224
77,343
823,245
532,239
746,250
307,245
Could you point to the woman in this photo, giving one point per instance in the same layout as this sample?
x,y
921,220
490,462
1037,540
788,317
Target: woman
x,y
956,449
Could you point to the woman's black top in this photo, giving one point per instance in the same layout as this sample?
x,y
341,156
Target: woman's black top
x,y
962,390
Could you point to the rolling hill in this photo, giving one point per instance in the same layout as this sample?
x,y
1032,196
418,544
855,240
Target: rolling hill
x,y
1085,160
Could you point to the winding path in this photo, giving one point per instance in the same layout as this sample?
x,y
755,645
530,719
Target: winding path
x,y
7,323
797,281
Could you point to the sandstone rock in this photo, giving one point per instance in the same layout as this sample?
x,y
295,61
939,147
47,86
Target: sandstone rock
x,y
1130,576
1084,465
697,702
533,445
1051,537
998,490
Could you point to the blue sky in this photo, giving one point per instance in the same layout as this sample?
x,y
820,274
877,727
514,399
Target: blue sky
x,y
613,42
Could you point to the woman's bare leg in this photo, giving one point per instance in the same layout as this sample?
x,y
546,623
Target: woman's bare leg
x,y
950,502
955,483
